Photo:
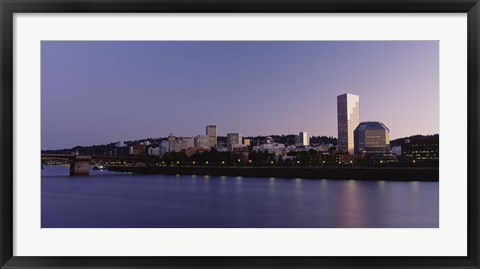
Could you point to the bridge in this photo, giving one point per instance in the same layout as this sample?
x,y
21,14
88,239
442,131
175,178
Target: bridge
x,y
80,164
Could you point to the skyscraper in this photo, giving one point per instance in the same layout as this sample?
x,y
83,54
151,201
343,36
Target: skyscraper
x,y
211,132
348,113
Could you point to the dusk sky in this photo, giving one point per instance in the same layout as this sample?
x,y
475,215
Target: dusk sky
x,y
96,92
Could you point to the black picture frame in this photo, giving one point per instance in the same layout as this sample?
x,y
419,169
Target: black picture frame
x,y
9,7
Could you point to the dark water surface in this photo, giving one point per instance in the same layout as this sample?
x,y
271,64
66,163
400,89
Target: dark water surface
x,y
122,200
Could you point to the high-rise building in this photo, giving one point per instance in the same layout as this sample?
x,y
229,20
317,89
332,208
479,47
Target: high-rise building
x,y
372,138
234,140
348,113
211,132
302,139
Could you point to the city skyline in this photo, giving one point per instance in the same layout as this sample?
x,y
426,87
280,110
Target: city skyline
x,y
110,91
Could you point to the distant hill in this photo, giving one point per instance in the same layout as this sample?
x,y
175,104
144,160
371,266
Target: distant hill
x,y
105,149
291,139
401,141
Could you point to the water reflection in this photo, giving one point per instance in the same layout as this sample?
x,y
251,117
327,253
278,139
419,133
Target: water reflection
x,y
298,186
381,186
206,182
271,186
352,205
415,186
238,185
113,200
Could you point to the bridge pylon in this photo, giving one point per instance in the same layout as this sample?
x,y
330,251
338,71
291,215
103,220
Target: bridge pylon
x,y
80,165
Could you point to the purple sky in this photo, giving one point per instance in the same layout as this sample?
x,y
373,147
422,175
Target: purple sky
x,y
100,92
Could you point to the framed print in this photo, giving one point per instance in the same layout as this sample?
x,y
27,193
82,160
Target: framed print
x,y
247,133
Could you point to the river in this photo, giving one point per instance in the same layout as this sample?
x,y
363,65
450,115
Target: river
x,y
124,200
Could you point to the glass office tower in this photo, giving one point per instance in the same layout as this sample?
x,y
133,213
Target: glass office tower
x,y
348,113
372,138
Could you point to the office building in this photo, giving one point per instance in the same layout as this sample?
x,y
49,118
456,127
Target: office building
x,y
348,113
302,139
396,150
426,149
211,132
154,151
372,138
137,149
234,140
201,141
174,144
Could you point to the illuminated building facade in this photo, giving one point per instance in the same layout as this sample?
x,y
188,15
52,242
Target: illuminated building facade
x,y
372,138
348,113
302,139
211,132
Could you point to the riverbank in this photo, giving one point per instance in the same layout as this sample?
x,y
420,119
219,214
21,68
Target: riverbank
x,y
362,173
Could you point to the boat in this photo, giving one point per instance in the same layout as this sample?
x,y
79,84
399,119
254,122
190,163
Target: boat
x,y
99,167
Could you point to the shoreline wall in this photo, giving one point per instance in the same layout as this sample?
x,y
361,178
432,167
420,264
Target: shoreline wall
x,y
363,173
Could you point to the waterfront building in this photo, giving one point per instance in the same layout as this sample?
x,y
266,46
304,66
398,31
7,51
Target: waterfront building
x,y
154,151
241,155
202,141
275,148
211,132
348,113
303,139
174,144
324,147
234,140
185,143
165,147
304,148
426,149
343,159
372,138
222,146
136,149
190,151
396,150
291,148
